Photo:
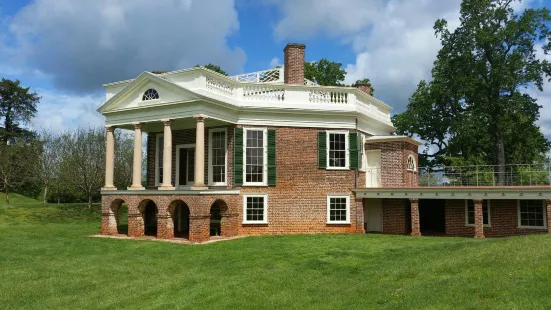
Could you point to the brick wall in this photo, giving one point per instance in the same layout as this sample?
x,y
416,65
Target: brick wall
x,y
394,163
294,63
394,216
298,204
503,220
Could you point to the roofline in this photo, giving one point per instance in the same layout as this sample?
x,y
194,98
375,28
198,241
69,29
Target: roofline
x,y
457,192
355,90
375,139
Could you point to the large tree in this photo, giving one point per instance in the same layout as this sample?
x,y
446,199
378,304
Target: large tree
x,y
16,165
476,107
324,72
17,107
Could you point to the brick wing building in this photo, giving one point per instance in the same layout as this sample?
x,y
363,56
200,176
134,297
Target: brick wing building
x,y
273,153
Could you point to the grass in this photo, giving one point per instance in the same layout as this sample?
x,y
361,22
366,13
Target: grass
x,y
48,262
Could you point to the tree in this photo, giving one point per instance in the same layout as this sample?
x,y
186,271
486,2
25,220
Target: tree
x,y
49,159
83,160
124,152
214,68
324,72
16,162
475,108
17,106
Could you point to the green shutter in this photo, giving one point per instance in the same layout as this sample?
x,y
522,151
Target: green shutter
x,y
238,156
354,150
271,157
322,149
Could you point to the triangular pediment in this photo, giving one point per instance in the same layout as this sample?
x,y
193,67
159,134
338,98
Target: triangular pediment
x,y
132,96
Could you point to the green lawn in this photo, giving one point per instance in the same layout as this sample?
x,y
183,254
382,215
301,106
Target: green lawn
x,y
47,261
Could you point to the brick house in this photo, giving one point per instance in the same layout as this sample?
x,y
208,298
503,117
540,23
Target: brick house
x,y
273,153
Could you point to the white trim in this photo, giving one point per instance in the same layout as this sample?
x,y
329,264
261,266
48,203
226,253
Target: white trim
x,y
210,182
157,136
346,147
467,213
265,157
363,154
178,148
265,221
543,209
414,163
347,209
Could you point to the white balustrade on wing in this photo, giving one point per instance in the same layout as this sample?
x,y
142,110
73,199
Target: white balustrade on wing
x,y
264,93
219,86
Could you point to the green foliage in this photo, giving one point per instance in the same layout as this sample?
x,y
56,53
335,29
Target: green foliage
x,y
17,107
324,72
215,68
475,105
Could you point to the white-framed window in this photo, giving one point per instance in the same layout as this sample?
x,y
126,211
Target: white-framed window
x,y
411,164
337,150
255,209
255,154
218,157
469,213
159,141
531,214
150,94
338,209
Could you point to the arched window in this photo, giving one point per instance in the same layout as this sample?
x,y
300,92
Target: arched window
x,y
412,166
150,94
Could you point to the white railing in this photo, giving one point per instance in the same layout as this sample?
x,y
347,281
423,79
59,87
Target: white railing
x,y
265,76
346,98
486,175
219,85
263,93
321,96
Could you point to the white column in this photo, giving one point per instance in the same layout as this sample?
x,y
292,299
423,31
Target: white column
x,y
137,164
109,159
200,153
167,157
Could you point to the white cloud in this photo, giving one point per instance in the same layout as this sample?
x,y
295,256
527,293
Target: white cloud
x,y
58,111
275,62
393,40
82,44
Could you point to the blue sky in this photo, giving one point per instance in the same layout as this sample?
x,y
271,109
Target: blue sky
x,y
65,49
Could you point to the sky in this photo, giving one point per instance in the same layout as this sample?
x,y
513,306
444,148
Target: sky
x,y
66,49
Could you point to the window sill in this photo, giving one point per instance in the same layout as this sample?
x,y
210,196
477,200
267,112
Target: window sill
x,y
337,168
255,223
532,227
254,184
338,223
217,184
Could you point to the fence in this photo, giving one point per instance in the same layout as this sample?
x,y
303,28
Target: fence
x,y
486,175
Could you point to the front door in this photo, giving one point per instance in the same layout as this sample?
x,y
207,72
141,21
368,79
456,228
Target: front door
x,y
373,214
373,169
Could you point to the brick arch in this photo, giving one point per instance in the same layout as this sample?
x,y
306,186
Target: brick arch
x,y
168,222
229,218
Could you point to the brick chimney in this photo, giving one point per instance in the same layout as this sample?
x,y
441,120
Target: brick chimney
x,y
294,63
365,87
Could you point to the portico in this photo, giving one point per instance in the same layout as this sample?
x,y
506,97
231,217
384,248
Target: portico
x,y
166,153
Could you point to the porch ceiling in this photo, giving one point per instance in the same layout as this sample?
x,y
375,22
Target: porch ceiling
x,y
504,192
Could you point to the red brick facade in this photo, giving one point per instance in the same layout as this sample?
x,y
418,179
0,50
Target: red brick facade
x,y
394,172
503,219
